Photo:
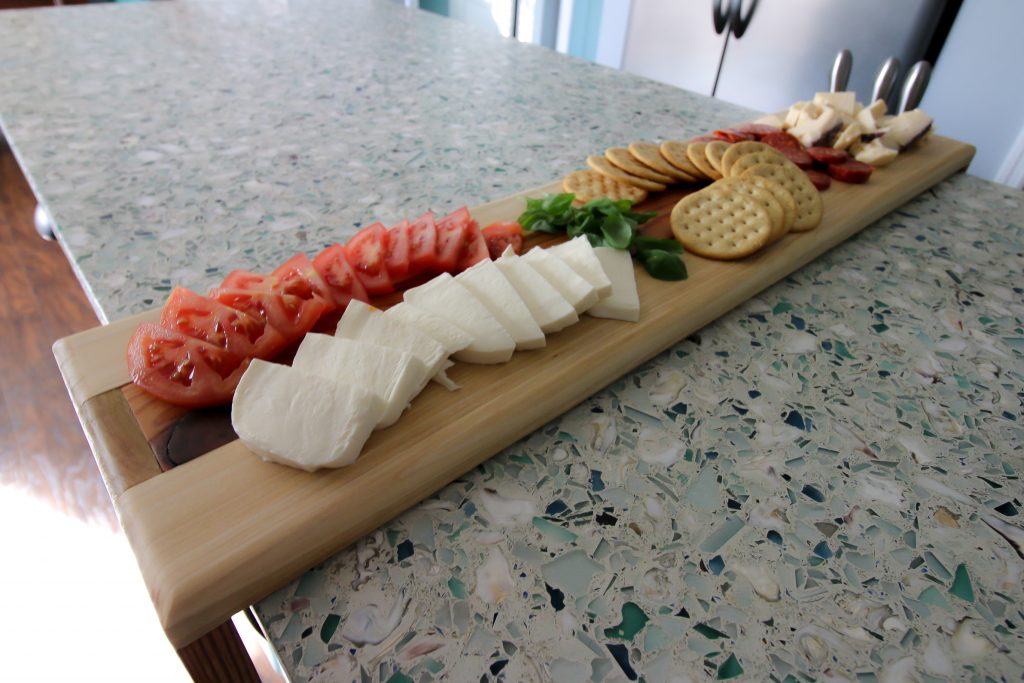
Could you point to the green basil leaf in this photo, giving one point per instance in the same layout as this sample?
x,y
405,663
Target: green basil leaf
x,y
641,217
595,240
642,243
618,233
663,265
559,203
545,226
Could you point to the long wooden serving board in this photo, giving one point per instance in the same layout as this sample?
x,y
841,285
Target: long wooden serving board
x,y
225,529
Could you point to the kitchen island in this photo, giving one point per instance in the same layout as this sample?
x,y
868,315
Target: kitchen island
x,y
822,483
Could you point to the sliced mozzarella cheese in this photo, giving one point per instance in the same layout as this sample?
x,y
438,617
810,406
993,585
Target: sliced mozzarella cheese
x,y
394,376
624,302
445,297
875,153
287,416
446,334
843,102
579,255
549,308
580,294
364,322
486,282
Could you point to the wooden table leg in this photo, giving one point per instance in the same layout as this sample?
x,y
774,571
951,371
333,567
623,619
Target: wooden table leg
x,y
219,657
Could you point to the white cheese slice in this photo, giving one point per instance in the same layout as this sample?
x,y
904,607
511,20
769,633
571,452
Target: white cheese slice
x,y
578,254
394,376
816,131
906,129
445,297
624,302
368,324
287,416
580,294
549,308
876,153
486,282
843,102
849,135
446,334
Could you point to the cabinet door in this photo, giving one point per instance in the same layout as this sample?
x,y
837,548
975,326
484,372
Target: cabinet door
x,y
674,41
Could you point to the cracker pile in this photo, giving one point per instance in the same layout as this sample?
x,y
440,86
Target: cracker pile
x,y
756,196
760,197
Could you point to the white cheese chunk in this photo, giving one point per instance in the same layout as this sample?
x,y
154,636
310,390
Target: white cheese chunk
x,y
904,130
798,111
817,131
843,102
549,308
579,255
445,297
394,376
849,135
446,334
287,416
486,282
624,302
580,294
364,322
876,153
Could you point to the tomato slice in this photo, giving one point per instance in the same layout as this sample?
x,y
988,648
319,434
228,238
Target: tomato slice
x,y
367,254
244,279
227,328
396,256
182,370
297,276
291,316
339,276
422,244
451,234
474,249
500,235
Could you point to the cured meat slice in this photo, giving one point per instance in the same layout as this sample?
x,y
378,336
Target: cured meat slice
x,y
850,172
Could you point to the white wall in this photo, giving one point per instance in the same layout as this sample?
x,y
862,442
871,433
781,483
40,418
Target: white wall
x,y
977,89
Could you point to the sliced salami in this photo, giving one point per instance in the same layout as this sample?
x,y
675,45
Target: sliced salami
x,y
828,155
731,135
851,172
819,179
798,156
757,130
780,139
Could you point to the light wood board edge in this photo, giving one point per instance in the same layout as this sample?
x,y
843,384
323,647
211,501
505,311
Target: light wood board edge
x,y
206,550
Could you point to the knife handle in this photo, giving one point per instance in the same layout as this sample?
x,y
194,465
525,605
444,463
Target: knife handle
x,y
915,85
886,79
841,68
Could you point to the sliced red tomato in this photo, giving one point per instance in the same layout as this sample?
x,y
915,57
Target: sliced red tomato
x,y
237,332
182,370
244,279
367,253
423,245
339,276
474,249
396,256
498,236
451,234
297,276
291,316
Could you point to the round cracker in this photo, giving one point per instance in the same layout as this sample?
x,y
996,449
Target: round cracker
x,y
610,170
647,153
624,159
713,151
674,152
785,199
718,223
754,158
695,153
765,197
737,150
808,200
588,185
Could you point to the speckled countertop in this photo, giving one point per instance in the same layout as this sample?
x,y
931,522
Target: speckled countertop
x,y
822,485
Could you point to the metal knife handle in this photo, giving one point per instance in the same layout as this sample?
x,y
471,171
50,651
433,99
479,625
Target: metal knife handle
x,y
840,75
915,85
886,79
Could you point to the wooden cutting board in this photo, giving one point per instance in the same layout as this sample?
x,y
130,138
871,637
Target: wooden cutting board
x,y
225,529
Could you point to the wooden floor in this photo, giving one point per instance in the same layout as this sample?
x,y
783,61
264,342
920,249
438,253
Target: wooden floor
x,y
73,598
